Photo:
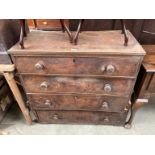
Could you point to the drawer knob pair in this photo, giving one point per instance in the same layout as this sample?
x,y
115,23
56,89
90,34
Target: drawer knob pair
x,y
40,65
109,68
107,88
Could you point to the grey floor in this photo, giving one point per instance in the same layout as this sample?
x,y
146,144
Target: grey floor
x,y
144,123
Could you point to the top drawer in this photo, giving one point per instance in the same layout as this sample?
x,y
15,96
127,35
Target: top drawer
x,y
109,66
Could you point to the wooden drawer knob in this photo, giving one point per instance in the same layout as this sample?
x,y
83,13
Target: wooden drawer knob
x,y
105,105
125,109
106,120
55,117
44,85
39,65
103,68
110,68
47,102
107,88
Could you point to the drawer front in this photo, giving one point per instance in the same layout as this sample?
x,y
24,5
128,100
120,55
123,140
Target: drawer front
x,y
109,66
78,102
81,117
49,24
47,84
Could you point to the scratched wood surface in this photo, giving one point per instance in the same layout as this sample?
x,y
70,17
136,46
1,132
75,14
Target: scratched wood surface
x,y
102,42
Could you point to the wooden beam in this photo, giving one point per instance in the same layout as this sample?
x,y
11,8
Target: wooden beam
x,y
15,90
7,71
7,68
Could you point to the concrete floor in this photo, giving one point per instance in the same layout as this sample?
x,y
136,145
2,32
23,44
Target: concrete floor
x,y
144,123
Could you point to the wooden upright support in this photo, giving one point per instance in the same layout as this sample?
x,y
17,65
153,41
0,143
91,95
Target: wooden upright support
x,y
7,71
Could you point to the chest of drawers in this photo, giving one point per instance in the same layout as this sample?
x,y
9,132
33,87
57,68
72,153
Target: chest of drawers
x,y
90,83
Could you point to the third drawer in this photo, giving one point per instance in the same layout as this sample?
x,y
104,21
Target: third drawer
x,y
78,102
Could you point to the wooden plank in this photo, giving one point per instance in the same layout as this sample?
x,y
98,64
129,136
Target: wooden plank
x,y
7,68
16,92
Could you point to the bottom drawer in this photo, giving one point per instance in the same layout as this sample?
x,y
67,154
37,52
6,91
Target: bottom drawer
x,y
81,117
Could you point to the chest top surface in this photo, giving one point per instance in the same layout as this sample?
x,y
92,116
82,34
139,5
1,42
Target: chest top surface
x,y
90,42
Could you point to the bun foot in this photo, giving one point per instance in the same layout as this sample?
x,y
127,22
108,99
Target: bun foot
x,y
127,126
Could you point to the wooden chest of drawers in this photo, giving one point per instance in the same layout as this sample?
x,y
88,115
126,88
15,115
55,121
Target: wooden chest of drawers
x,y
90,83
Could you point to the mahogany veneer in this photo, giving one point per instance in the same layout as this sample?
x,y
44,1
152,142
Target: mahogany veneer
x,y
90,83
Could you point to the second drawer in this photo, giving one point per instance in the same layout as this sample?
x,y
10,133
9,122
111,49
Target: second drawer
x,y
49,84
78,102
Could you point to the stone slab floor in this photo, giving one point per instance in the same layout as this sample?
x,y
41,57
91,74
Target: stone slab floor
x,y
144,123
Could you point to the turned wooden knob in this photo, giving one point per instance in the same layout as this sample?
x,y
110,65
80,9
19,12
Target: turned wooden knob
x,y
107,88
44,85
106,120
125,109
103,68
39,65
47,102
110,68
105,105
55,117
75,97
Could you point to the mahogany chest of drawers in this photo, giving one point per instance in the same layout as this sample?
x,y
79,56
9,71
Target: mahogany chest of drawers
x,y
88,83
